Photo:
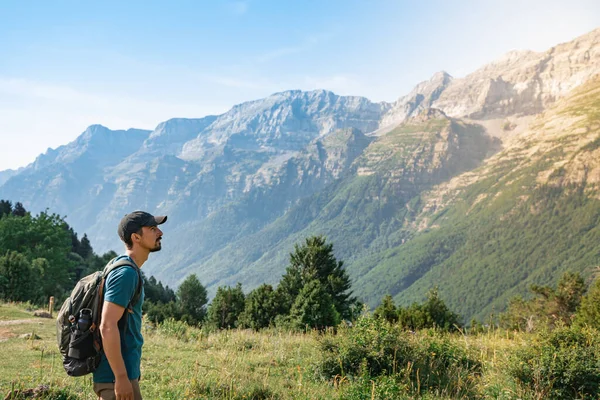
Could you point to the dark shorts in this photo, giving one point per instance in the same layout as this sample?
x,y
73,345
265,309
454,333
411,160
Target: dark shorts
x,y
106,391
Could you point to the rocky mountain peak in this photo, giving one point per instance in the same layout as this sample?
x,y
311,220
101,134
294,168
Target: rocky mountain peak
x,y
170,136
428,114
97,142
286,121
523,82
420,98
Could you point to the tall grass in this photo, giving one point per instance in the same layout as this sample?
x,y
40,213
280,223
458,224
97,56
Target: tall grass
x,y
372,360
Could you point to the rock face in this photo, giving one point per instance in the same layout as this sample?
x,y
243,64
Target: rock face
x,y
242,187
523,82
420,98
170,136
285,121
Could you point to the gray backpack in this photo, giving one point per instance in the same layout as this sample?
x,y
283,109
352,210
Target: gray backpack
x,y
78,321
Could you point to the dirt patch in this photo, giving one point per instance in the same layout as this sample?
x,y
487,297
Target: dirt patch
x,y
5,334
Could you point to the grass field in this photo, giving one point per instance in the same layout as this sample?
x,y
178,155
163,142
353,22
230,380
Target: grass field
x,y
187,363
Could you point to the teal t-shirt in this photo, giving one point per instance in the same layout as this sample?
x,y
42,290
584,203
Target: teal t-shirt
x,y
119,288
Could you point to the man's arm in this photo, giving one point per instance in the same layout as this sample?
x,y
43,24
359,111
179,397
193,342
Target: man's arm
x,y
111,343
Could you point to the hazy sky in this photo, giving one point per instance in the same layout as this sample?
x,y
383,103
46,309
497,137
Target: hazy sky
x,y
65,65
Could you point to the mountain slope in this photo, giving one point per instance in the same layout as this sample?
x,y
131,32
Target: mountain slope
x,y
529,214
364,211
407,192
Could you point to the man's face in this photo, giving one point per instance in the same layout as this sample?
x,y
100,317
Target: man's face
x,y
151,237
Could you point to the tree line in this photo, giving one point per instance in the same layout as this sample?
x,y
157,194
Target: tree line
x,y
42,256
314,293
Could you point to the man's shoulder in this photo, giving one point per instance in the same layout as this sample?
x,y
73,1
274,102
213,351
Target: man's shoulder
x,y
125,272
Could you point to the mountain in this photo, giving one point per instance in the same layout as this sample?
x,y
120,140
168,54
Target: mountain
x,y
522,82
420,98
7,174
529,214
70,179
365,210
480,185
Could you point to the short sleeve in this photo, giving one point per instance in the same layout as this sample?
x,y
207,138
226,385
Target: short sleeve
x,y
121,284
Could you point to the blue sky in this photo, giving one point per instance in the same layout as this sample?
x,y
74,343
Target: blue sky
x,y
65,65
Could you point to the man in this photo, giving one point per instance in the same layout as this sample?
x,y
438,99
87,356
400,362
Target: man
x,y
117,376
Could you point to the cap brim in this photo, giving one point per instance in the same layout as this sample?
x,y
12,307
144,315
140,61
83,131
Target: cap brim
x,y
160,220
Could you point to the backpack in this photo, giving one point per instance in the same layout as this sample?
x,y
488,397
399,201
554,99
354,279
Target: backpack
x,y
78,321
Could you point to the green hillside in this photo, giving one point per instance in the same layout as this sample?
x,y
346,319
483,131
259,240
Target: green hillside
x,y
366,211
532,213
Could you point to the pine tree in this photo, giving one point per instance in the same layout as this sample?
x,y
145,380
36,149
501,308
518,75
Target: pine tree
x,y
314,308
85,247
315,260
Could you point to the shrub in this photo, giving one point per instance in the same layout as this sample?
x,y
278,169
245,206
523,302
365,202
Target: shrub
x,y
561,364
433,313
375,348
159,312
380,388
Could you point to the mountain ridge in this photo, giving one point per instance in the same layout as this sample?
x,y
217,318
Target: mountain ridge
x,y
379,179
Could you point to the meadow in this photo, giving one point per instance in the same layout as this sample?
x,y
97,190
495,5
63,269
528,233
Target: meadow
x,y
181,362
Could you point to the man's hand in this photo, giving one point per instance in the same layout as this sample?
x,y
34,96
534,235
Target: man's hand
x,y
123,388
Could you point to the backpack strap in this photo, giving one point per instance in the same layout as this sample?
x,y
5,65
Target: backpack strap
x,y
112,265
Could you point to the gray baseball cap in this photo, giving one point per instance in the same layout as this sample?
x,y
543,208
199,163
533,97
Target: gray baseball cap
x,y
133,222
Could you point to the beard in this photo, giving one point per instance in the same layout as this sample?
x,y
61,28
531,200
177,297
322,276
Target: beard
x,y
156,248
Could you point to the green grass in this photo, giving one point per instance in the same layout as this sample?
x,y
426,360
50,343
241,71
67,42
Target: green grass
x,y
14,311
180,362
228,364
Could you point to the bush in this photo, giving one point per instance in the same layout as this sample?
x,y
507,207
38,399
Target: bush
x,y
561,364
433,313
380,388
375,348
159,312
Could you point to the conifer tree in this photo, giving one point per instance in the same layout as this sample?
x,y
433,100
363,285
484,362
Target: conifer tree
x,y
314,308
85,247
315,260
